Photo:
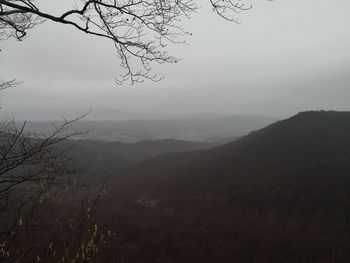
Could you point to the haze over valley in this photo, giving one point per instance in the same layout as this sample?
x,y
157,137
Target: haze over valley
x,y
112,125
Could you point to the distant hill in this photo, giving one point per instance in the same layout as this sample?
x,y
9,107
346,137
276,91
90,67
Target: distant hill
x,y
94,160
201,130
140,151
95,114
280,194
98,114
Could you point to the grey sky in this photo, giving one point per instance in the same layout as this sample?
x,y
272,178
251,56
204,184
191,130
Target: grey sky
x,y
286,56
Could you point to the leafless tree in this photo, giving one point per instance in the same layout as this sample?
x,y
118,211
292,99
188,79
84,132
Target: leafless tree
x,y
32,172
64,228
139,29
40,199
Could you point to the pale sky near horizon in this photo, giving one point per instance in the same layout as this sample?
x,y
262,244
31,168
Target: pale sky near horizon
x,y
286,57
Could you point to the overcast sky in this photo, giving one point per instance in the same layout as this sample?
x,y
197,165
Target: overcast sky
x,y
286,56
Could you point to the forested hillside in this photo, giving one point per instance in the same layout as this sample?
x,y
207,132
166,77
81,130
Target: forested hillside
x,y
280,194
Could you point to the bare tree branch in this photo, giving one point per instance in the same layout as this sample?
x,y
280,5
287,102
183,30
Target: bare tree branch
x,y
9,84
33,171
139,29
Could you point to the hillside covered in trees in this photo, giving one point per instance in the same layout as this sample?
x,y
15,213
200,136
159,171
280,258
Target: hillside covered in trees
x,y
280,194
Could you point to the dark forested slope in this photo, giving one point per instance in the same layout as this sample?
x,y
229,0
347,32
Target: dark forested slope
x,y
303,154
280,194
94,160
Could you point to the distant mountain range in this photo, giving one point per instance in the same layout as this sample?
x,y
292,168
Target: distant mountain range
x,y
97,114
279,194
215,130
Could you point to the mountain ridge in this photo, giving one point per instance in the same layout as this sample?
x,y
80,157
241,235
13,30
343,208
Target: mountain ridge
x,y
279,194
289,147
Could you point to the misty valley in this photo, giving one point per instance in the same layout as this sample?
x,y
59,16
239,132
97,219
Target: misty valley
x,y
279,193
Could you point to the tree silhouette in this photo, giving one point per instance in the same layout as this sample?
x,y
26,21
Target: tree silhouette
x,y
139,29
